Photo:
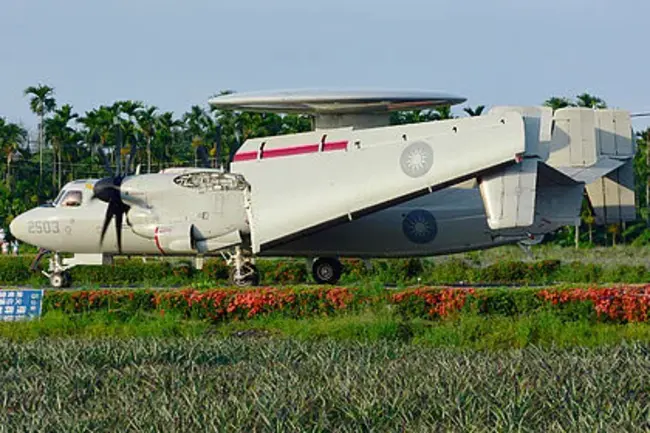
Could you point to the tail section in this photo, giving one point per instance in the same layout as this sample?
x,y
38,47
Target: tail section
x,y
597,147
567,153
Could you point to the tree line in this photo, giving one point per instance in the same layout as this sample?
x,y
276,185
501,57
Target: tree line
x,y
71,145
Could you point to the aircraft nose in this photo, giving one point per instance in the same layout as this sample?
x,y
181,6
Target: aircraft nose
x,y
18,228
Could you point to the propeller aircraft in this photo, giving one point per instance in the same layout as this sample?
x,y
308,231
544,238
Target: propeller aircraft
x,y
354,186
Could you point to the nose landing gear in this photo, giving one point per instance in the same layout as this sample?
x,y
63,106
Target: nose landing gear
x,y
58,273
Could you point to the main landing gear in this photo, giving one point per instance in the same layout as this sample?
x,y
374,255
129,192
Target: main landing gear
x,y
243,272
326,270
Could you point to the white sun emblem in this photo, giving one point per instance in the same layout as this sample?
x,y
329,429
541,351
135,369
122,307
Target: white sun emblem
x,y
419,226
416,159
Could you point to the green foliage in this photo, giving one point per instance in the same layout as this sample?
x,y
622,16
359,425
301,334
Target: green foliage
x,y
402,272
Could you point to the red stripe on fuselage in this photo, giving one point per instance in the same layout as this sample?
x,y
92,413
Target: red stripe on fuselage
x,y
291,151
245,156
335,145
288,151
155,238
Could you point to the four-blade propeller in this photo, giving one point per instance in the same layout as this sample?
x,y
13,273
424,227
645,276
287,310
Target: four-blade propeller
x,y
108,190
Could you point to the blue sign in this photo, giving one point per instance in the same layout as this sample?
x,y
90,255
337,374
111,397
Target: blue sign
x,y
18,305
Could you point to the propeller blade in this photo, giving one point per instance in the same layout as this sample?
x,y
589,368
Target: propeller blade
x,y
203,154
104,159
118,149
107,220
118,228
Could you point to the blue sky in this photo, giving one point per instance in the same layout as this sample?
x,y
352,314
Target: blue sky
x,y
174,54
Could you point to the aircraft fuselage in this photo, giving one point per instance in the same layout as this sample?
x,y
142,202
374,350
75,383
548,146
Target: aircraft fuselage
x,y
443,222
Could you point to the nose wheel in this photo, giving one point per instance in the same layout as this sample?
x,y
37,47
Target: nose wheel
x,y
326,270
59,280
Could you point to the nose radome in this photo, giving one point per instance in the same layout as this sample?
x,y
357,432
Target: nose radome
x,y
18,228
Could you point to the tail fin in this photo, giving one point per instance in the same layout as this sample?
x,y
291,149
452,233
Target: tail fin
x,y
597,147
569,152
593,148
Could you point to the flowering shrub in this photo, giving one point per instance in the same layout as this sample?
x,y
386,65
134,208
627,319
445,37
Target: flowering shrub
x,y
431,302
619,304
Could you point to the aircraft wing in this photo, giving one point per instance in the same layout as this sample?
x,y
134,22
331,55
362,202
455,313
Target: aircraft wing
x,y
305,182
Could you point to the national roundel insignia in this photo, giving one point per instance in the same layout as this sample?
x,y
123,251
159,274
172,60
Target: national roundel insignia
x,y
419,226
416,159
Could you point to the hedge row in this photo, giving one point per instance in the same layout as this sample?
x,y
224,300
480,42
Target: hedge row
x,y
617,304
135,272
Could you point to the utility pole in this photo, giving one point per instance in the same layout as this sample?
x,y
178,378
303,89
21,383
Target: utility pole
x,y
40,154
646,136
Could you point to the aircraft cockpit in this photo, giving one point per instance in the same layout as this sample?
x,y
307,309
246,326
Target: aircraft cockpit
x,y
69,198
73,195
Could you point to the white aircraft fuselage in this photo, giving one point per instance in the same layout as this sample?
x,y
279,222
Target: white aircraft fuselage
x,y
443,222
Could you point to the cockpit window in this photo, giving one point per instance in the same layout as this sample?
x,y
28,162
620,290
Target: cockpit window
x,y
71,199
59,197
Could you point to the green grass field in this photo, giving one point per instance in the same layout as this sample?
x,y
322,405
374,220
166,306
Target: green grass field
x,y
543,329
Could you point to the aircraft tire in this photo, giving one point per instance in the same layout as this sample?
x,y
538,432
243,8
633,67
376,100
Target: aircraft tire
x,y
326,270
252,279
57,280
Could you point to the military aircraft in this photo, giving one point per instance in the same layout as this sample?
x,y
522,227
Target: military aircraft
x,y
354,186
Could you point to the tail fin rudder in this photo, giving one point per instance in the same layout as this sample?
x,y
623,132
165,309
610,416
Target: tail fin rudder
x,y
597,147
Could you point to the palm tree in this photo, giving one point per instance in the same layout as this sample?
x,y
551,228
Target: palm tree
x,y
11,137
474,111
590,101
59,133
99,126
443,113
557,102
146,119
198,125
165,130
41,103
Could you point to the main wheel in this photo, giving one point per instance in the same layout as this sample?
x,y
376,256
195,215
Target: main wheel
x,y
249,276
326,270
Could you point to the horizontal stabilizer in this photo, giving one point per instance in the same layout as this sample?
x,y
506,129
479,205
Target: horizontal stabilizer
x,y
311,181
590,174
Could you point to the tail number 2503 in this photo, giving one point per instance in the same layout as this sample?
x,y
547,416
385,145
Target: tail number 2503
x,y
40,227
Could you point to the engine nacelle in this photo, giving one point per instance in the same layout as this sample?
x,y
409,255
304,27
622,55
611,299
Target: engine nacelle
x,y
169,238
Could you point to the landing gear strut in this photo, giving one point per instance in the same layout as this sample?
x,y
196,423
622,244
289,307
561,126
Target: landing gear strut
x,y
243,272
58,273
326,270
